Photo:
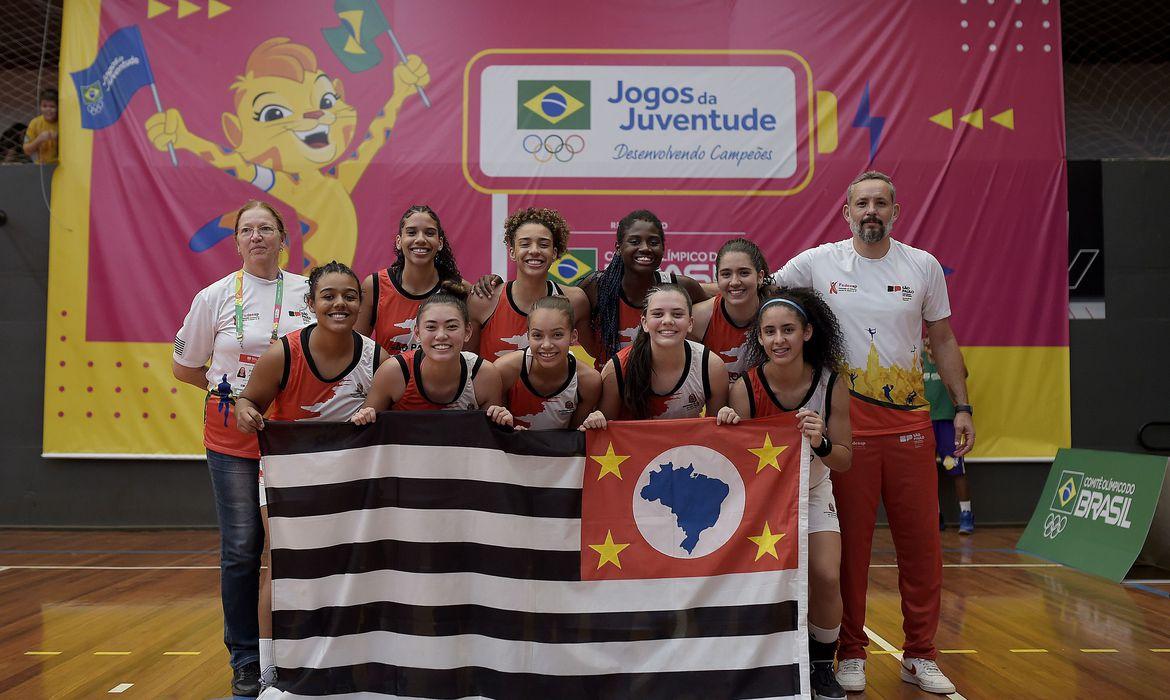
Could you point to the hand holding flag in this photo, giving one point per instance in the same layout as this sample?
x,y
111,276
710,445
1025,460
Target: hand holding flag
x,y
120,70
353,43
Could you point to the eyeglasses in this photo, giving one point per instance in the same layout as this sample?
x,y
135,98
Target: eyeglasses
x,y
266,231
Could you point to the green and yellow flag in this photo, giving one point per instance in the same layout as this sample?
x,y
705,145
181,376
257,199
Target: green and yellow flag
x,y
362,22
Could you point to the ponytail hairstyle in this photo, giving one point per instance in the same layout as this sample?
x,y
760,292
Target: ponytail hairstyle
x,y
825,349
561,304
750,249
450,292
444,261
322,270
640,364
606,312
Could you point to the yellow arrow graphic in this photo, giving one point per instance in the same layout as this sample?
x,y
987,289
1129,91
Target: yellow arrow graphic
x,y
945,119
975,118
1006,119
187,8
154,8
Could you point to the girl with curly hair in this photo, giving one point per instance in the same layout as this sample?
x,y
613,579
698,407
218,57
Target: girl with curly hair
x,y
535,237
796,351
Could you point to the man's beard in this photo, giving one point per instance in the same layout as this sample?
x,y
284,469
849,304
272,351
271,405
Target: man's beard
x,y
870,235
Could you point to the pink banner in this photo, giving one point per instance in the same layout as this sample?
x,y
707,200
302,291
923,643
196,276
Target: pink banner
x,y
725,119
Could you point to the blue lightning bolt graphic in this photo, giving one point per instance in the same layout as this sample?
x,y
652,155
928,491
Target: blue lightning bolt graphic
x,y
864,120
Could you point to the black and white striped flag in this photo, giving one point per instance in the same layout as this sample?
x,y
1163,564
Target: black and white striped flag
x,y
432,555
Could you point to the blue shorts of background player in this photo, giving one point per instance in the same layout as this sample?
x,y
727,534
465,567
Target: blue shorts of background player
x,y
944,445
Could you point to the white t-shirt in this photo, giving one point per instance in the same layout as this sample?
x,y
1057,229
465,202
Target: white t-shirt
x,y
880,305
209,330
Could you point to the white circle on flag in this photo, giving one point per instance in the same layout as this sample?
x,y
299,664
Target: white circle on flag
x,y
688,501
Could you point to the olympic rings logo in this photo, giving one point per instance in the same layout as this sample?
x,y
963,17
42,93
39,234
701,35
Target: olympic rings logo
x,y
1054,525
552,146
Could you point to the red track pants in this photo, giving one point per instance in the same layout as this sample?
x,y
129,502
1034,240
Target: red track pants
x,y
900,469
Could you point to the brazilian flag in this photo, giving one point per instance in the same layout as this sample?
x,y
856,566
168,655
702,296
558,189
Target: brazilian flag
x,y
572,267
362,22
552,104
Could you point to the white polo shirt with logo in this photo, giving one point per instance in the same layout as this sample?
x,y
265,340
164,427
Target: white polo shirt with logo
x,y
881,305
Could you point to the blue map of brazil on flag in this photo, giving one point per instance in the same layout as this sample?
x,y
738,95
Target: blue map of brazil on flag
x,y
120,70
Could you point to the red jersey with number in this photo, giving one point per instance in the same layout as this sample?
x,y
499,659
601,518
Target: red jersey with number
x,y
415,396
395,310
307,395
506,330
727,340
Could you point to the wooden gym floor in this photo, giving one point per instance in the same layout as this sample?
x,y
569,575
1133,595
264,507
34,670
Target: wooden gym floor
x,y
136,614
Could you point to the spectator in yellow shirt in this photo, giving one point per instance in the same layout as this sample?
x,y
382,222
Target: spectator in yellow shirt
x,y
40,140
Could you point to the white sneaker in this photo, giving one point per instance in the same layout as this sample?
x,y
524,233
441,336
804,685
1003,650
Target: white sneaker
x,y
926,675
851,674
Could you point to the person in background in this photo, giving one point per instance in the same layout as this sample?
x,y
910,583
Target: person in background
x,y
12,145
40,139
942,414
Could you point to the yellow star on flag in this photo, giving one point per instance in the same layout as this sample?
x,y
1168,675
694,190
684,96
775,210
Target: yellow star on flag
x,y
609,551
767,454
765,542
610,462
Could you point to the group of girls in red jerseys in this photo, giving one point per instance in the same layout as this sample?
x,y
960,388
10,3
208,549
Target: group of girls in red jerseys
x,y
412,337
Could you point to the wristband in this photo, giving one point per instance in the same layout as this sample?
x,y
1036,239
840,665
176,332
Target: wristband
x,y
964,408
825,449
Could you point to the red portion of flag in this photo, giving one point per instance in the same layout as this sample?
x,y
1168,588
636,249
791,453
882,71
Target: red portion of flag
x,y
678,498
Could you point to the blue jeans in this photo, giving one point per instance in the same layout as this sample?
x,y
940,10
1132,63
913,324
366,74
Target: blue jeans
x,y
241,540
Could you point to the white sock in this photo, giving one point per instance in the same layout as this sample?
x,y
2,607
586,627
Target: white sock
x,y
965,506
267,665
822,635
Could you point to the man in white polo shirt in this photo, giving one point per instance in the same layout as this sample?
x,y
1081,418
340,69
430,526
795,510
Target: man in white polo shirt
x,y
882,291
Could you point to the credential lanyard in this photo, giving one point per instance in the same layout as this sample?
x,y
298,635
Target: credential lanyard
x,y
240,306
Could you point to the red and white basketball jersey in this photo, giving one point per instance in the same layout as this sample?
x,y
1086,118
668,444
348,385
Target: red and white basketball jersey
x,y
415,397
727,340
395,310
763,402
306,395
686,399
506,330
536,411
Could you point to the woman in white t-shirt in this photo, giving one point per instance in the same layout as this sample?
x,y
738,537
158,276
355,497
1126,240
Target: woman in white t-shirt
x,y
230,325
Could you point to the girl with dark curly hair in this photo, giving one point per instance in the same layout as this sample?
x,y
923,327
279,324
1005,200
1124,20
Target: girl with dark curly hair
x,y
535,237
796,350
391,297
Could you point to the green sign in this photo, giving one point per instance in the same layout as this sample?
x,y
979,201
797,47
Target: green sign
x,y
1095,510
552,104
